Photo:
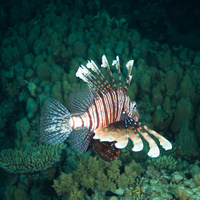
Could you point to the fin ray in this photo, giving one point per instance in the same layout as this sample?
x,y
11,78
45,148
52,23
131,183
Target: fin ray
x,y
137,141
80,101
92,75
117,132
106,150
163,141
154,151
80,139
54,122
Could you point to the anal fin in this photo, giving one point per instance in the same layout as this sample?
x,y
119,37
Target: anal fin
x,y
80,139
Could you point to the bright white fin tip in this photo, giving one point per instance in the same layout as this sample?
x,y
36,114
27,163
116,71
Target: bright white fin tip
x,y
137,142
106,139
130,78
163,142
83,73
79,73
154,152
120,144
138,147
167,145
91,65
116,63
129,66
104,61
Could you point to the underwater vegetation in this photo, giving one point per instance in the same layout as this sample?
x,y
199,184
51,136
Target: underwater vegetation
x,y
40,54
30,160
98,176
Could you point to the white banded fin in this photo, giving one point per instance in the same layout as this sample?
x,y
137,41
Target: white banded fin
x,y
91,65
98,83
137,142
163,142
116,132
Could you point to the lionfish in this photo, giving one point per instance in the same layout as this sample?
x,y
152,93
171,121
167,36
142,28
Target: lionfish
x,y
102,117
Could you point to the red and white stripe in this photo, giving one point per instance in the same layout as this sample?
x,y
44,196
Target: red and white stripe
x,y
106,109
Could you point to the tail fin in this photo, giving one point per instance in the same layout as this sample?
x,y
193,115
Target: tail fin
x,y
54,123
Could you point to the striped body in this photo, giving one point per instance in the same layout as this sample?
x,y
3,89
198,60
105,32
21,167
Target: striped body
x,y
103,117
105,110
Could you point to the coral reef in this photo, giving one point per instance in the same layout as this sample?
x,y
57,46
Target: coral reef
x,y
163,162
43,54
182,140
197,179
30,160
22,127
42,45
97,175
183,184
19,192
184,193
181,119
66,186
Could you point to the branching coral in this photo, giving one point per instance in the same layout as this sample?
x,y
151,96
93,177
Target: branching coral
x,y
33,159
98,175
163,162
67,187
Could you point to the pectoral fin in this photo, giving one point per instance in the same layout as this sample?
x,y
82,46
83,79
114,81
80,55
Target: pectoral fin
x,y
119,132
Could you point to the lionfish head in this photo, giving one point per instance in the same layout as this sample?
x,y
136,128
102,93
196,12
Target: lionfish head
x,y
134,112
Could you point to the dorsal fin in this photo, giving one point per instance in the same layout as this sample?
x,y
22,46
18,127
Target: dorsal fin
x,y
80,139
105,64
98,84
80,101
93,83
117,64
129,66
91,65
